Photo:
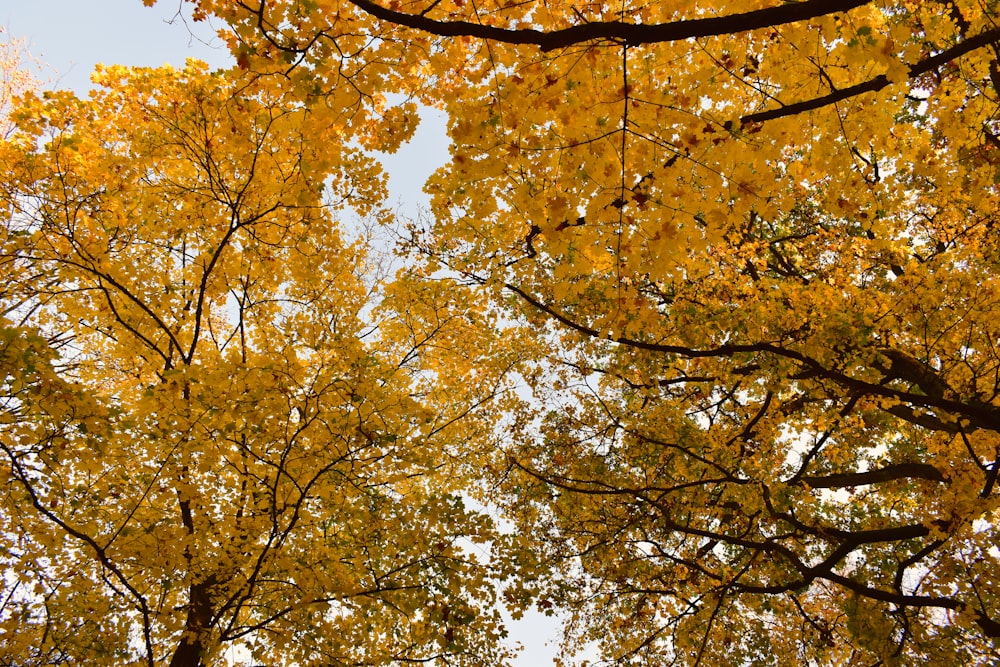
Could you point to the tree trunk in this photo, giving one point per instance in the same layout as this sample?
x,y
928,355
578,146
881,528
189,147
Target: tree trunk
x,y
191,649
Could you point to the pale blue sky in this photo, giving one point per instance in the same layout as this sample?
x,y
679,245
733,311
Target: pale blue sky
x,y
71,36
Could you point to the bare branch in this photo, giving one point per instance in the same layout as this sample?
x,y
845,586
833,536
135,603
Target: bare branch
x,y
629,34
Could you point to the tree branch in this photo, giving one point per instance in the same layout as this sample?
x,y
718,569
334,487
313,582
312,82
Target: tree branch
x,y
887,474
878,83
981,414
630,34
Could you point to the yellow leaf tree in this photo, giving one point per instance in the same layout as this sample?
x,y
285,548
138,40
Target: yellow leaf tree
x,y
758,249
223,432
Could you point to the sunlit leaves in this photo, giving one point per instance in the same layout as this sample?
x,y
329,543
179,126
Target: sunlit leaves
x,y
746,280
763,269
215,429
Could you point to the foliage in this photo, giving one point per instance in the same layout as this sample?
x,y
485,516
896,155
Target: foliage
x,y
218,429
760,250
747,264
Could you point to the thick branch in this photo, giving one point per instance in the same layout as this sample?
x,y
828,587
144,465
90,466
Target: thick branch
x,y
879,82
625,33
990,627
923,419
982,415
910,369
191,649
887,474
991,479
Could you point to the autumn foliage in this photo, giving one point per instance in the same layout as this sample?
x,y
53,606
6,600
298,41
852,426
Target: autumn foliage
x,y
217,429
696,348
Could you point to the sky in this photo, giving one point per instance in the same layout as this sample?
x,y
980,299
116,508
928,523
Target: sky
x,y
70,37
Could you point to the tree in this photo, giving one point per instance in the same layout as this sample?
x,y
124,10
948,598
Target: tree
x,y
221,422
761,251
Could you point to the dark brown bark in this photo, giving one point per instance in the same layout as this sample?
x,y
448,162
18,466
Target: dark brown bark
x,y
617,31
199,619
199,610
887,474
990,627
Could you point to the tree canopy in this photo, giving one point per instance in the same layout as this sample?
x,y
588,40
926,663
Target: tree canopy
x,y
217,428
704,310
